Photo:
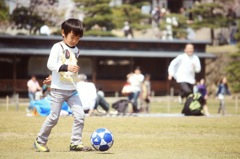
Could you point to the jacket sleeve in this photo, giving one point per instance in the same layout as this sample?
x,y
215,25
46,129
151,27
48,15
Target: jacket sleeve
x,y
218,90
63,68
173,65
197,64
54,61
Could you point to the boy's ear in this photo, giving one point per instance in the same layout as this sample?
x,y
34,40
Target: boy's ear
x,y
62,32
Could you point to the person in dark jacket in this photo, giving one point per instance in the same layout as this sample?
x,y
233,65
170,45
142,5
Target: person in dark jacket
x,y
222,91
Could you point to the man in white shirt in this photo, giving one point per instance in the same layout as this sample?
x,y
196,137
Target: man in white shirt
x,y
183,69
87,93
90,97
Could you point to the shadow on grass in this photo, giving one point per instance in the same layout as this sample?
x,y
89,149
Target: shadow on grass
x,y
104,153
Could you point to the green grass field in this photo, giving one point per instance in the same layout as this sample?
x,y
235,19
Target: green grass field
x,y
135,137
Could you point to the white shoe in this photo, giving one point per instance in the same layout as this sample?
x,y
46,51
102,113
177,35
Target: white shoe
x,y
113,112
29,114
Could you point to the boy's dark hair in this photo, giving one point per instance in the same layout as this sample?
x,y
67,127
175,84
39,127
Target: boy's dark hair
x,y
74,25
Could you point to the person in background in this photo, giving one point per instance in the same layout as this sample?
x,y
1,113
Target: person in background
x,y
183,12
146,93
195,87
100,92
135,80
156,17
170,22
33,87
183,69
90,97
101,101
127,29
87,92
46,88
45,30
202,89
222,91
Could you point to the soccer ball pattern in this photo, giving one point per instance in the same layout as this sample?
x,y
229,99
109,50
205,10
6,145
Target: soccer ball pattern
x,y
102,139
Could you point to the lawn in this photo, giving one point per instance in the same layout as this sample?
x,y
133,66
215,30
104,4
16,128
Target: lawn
x,y
153,136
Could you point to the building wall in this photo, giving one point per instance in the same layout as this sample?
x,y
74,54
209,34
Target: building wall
x,y
109,72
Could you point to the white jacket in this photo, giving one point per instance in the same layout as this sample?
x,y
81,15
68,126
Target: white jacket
x,y
184,67
135,81
62,80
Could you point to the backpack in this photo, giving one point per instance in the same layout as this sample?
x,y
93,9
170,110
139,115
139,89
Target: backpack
x,y
121,106
193,105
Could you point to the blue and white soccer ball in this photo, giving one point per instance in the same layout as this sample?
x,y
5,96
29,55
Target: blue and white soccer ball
x,y
102,139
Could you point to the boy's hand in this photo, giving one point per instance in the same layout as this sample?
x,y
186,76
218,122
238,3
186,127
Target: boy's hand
x,y
73,68
48,80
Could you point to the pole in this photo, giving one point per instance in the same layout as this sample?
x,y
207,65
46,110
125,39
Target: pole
x,y
169,104
17,101
116,94
236,104
7,103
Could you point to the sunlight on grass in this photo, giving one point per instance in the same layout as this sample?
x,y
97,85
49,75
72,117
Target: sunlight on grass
x,y
134,137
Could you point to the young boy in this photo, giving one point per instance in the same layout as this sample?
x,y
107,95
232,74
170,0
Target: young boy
x,y
62,62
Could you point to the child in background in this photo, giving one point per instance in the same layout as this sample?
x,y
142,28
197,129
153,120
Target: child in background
x,y
202,89
46,88
221,92
62,62
33,88
146,94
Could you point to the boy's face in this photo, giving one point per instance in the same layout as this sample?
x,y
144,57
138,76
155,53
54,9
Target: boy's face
x,y
70,39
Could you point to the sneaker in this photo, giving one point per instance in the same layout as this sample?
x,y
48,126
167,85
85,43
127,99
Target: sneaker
x,y
40,147
80,147
29,114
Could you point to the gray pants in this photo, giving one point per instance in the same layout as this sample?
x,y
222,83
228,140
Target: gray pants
x,y
222,107
57,99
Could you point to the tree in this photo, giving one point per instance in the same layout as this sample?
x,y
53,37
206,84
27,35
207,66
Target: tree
x,y
4,15
101,19
24,19
233,69
98,20
37,14
100,14
130,13
180,30
210,15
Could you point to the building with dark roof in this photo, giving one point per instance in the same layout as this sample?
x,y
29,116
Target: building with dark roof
x,y
106,61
